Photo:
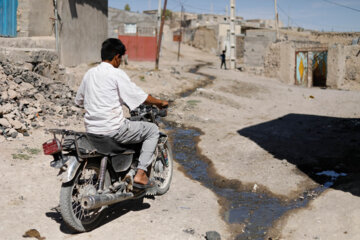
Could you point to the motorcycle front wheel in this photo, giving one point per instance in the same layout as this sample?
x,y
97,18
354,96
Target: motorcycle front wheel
x,y
84,183
162,173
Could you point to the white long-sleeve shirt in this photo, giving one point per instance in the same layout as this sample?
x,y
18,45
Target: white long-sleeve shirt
x,y
103,91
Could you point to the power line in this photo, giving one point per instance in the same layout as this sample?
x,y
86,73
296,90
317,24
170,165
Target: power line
x,y
312,24
283,11
342,5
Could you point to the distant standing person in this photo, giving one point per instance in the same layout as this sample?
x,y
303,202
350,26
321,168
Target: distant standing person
x,y
223,57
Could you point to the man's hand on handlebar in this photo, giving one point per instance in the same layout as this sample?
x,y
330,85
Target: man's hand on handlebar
x,y
164,104
150,100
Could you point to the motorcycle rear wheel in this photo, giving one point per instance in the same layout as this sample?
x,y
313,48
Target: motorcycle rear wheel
x,y
85,182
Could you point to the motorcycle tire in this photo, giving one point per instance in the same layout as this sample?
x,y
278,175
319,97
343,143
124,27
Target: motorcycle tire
x,y
163,182
72,213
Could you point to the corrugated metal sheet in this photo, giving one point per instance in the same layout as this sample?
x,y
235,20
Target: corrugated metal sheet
x,y
8,9
140,48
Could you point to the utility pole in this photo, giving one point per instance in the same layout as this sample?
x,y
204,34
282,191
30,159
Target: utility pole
x,y
160,36
158,21
232,36
226,13
276,21
181,21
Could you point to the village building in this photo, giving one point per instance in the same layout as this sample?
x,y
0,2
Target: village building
x,y
78,29
137,31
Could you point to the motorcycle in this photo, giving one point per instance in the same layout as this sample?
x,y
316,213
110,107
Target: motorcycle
x,y
97,172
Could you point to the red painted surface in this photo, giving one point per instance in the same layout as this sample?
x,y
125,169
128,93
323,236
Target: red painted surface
x,y
140,48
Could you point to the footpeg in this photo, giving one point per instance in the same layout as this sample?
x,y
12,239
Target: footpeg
x,y
129,180
117,186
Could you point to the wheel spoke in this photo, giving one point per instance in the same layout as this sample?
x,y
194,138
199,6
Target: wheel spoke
x,y
88,177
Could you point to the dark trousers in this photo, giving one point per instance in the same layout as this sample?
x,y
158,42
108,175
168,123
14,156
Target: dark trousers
x,y
223,63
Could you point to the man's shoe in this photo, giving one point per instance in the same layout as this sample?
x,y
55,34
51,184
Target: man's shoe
x,y
150,184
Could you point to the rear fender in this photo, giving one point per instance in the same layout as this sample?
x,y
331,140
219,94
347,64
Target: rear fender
x,y
73,165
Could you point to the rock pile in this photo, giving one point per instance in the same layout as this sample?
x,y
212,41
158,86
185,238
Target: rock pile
x,y
27,99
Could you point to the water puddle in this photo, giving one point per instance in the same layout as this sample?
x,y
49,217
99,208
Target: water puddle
x,y
195,70
332,175
255,211
249,213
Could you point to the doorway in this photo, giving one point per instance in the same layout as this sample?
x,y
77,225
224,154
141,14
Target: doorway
x,y
319,69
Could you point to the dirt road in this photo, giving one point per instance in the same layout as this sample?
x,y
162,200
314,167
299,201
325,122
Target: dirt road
x,y
285,141
258,136
29,192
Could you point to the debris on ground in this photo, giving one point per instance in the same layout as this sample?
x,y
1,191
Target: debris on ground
x,y
33,233
28,99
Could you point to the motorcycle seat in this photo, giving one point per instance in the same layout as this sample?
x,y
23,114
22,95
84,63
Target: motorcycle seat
x,y
106,145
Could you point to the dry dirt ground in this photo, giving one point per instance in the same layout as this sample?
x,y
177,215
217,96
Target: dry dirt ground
x,y
260,131
255,131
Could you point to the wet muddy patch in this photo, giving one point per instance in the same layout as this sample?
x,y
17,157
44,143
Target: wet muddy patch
x,y
201,84
249,213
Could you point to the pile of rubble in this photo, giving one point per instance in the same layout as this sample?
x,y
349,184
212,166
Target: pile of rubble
x,y
27,99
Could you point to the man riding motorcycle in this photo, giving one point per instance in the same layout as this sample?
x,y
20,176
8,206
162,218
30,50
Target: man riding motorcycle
x,y
103,92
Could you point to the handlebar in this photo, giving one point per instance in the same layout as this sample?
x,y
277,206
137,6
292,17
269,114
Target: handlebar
x,y
147,112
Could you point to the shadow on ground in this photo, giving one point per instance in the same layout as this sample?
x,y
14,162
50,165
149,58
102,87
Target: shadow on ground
x,y
314,144
111,213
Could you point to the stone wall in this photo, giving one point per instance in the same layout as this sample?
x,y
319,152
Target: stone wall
x,y
335,38
205,39
83,28
35,18
272,61
240,48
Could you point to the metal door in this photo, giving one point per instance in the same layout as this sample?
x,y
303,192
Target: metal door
x,y
301,75
8,9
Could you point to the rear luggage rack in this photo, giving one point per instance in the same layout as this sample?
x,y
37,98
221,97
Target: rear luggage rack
x,y
73,141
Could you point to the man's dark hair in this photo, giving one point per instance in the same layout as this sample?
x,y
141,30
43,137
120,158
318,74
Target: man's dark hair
x,y
111,47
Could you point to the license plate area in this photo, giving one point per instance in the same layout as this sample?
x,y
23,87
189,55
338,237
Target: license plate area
x,y
51,147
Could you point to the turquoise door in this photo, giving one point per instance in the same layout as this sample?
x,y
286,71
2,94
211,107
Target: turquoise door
x,y
8,9
301,77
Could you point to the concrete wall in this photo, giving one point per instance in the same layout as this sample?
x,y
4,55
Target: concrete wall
x,y
84,27
256,44
352,63
34,18
336,59
265,23
344,66
287,63
117,19
225,27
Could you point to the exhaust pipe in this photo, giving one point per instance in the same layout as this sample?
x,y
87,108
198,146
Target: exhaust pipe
x,y
97,201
